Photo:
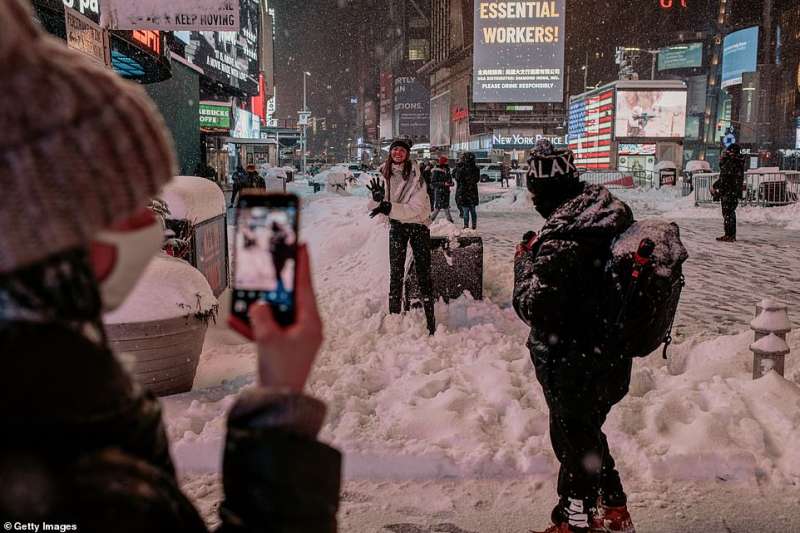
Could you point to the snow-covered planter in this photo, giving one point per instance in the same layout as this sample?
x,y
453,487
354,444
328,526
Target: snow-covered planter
x,y
160,329
197,219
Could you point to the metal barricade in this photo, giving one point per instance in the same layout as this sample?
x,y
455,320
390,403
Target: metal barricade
x,y
608,178
760,189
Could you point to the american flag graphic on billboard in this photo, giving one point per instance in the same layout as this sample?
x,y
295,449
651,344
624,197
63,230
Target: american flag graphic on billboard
x,y
591,124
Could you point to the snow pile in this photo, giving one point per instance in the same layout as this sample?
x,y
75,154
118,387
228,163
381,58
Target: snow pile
x,y
466,403
194,199
168,288
515,199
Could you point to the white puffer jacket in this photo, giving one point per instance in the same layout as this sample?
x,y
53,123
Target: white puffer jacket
x,y
410,201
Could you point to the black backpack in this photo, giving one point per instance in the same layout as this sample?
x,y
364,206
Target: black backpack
x,y
645,274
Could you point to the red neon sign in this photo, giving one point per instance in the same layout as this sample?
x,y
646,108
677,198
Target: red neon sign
x,y
668,4
149,38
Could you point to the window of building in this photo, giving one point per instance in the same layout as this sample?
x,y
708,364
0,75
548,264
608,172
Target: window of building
x,y
418,49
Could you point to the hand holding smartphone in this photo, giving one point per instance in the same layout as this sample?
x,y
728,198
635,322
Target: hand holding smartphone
x,y
265,254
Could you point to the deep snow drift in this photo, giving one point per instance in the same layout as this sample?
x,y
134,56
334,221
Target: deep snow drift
x,y
465,403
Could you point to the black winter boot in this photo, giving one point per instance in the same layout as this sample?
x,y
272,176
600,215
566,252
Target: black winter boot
x,y
430,318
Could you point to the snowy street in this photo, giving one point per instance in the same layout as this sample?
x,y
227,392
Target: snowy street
x,y
449,433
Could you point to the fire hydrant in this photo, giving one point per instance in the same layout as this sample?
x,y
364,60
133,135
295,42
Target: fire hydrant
x,y
771,325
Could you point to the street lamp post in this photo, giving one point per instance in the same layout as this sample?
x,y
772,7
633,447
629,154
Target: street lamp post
x,y
305,120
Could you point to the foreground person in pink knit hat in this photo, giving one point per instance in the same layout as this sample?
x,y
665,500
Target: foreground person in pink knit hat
x,y
83,445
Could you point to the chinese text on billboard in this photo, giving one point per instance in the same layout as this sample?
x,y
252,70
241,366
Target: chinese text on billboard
x,y
518,51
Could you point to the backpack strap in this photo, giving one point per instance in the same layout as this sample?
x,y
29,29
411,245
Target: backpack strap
x,y
668,338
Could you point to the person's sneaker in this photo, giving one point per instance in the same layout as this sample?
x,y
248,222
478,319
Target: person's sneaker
x,y
725,238
612,520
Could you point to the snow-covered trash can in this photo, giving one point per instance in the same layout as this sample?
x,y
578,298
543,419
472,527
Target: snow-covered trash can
x,y
456,268
197,218
770,326
159,330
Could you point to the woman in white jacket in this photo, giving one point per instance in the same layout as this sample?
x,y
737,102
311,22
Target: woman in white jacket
x,y
402,196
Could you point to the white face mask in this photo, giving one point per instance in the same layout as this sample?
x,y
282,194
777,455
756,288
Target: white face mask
x,y
134,251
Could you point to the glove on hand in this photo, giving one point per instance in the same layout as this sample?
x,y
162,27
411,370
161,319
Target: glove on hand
x,y
527,243
384,208
377,189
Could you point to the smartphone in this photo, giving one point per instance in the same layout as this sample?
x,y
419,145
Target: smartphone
x,y
265,254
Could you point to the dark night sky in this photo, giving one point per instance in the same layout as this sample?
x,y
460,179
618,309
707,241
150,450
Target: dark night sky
x,y
317,36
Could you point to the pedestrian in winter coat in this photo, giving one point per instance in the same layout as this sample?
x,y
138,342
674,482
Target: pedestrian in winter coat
x,y
240,181
559,285
426,169
467,178
505,174
441,182
729,188
401,196
83,444
253,179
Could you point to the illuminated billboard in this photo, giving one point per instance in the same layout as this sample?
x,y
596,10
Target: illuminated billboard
x,y
518,53
591,123
225,56
689,55
652,114
739,55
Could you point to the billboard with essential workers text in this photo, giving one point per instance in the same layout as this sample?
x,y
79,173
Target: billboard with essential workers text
x,y
518,52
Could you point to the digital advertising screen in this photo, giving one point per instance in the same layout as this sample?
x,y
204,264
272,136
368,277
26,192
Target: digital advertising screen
x,y
739,55
518,52
654,114
228,57
689,55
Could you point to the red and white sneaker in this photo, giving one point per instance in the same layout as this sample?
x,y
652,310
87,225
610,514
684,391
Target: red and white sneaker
x,y
612,520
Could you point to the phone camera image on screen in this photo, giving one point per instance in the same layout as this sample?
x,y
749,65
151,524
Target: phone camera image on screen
x,y
265,259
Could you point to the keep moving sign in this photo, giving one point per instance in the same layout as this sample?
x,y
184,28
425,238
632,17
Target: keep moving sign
x,y
518,52
175,15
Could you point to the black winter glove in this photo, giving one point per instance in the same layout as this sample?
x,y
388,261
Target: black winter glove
x,y
377,189
383,209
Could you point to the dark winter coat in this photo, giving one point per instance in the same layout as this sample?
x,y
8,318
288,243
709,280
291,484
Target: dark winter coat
x,y
441,181
94,447
731,176
467,178
559,285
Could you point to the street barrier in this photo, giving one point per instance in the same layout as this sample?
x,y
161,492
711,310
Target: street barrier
x,y
767,189
609,178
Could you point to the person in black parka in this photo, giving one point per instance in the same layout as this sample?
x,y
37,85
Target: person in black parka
x,y
729,188
467,178
559,285
441,181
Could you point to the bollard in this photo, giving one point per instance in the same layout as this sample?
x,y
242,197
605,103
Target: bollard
x,y
770,327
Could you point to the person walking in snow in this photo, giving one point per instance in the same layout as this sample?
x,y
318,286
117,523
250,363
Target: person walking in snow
x,y
401,196
425,168
559,283
441,181
253,179
505,174
239,180
85,445
467,177
729,188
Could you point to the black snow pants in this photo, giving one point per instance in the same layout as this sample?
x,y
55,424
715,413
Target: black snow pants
x,y
729,205
419,236
580,392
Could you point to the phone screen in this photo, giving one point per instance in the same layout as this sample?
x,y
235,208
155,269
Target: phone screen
x,y
265,258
